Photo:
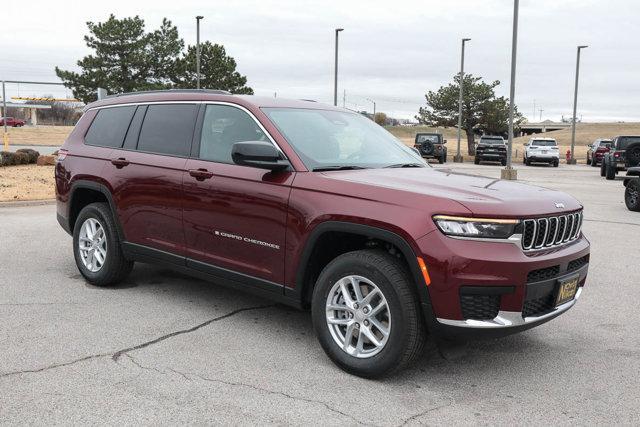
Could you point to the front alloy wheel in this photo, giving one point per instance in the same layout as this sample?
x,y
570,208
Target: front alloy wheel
x,y
358,316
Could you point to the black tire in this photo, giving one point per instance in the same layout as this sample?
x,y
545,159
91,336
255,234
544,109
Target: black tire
x,y
632,195
441,159
503,162
407,333
556,163
588,160
610,171
594,163
527,162
476,161
633,155
603,167
115,267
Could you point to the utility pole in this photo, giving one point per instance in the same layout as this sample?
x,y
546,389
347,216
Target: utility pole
x,y
534,109
344,98
5,135
374,108
198,18
541,110
458,157
335,71
508,172
572,159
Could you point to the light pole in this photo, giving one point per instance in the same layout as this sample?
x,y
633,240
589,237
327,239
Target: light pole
x,y
508,172
572,160
335,71
5,135
198,18
458,157
374,108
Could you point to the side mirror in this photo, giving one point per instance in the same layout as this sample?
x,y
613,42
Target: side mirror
x,y
258,154
444,141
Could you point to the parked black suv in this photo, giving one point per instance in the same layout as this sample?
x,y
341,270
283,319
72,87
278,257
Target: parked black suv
x,y
491,149
431,146
624,154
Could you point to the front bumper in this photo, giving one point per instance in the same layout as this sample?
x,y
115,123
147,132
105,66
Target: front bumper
x,y
497,270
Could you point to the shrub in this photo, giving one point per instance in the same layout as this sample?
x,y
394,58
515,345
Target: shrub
x,y
7,158
21,158
32,154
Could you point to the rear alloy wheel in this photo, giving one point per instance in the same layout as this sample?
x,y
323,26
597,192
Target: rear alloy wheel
x,y
366,315
96,246
632,195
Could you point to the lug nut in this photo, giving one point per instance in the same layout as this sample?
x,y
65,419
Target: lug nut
x,y
366,323
355,305
365,310
357,325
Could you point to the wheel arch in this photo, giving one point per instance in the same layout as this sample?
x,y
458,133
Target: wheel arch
x,y
84,192
308,270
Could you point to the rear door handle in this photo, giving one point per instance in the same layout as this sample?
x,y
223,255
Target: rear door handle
x,y
200,174
120,162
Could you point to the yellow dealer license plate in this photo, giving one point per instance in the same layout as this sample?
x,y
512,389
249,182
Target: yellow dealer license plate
x,y
567,289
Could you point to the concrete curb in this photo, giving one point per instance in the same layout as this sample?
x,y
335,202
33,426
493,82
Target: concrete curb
x,y
23,203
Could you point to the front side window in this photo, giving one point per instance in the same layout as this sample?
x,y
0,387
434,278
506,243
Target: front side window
x,y
110,126
168,129
327,139
222,127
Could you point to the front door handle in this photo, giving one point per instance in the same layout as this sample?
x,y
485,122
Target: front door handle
x,y
200,174
120,162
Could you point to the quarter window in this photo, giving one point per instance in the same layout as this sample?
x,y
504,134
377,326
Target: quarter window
x,y
222,127
168,129
110,126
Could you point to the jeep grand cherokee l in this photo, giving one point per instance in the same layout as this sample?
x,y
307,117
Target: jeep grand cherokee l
x,y
316,207
491,149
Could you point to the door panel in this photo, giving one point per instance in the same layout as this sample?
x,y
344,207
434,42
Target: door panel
x,y
236,219
148,196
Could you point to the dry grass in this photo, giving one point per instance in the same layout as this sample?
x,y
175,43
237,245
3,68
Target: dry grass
x,y
40,135
27,182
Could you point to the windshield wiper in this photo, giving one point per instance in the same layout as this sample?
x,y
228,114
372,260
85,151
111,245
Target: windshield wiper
x,y
337,168
405,165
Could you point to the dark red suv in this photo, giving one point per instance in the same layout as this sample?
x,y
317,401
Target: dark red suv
x,y
319,208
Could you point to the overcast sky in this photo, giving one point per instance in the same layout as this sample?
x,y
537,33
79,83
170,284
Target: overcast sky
x,y
391,52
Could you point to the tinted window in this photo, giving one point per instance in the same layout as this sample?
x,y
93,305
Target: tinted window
x,y
222,127
109,126
168,129
131,140
544,143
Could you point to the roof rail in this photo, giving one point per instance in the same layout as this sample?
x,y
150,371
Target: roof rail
x,y
145,92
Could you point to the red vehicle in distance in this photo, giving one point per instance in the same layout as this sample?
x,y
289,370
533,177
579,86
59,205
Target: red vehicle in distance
x,y
11,121
319,208
596,151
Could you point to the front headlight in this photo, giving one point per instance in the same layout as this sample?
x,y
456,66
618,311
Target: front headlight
x,y
476,227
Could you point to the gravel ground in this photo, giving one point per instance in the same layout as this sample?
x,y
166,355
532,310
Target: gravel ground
x,y
164,348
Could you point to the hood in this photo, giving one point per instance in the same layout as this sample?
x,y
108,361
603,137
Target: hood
x,y
481,195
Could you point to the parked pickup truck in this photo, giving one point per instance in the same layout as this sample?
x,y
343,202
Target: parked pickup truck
x,y
11,121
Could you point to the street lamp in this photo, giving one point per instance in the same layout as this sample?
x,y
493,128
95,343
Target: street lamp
x,y
374,108
198,18
458,157
335,71
572,160
508,172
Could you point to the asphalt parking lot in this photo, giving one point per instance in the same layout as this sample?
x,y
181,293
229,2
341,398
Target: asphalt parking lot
x,y
164,348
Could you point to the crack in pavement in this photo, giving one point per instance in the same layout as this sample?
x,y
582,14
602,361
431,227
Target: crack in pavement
x,y
420,414
189,376
117,354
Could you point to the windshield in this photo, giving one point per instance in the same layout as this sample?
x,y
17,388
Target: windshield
x,y
492,141
543,143
333,139
625,141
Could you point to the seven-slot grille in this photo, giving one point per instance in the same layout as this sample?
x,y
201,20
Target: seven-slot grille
x,y
542,233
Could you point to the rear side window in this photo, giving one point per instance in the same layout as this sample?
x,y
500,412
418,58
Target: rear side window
x,y
168,129
109,126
